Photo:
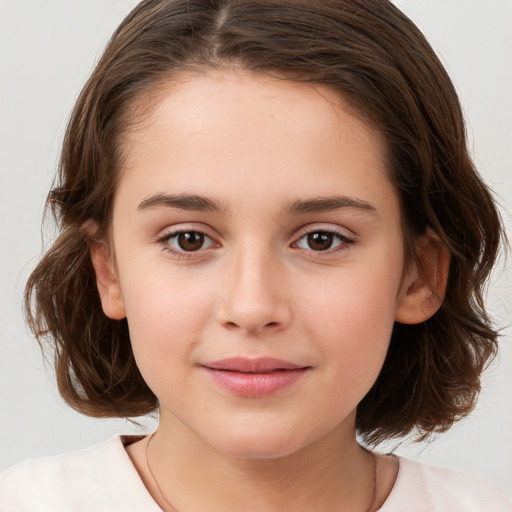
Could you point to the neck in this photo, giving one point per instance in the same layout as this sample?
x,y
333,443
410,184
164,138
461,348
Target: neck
x,y
194,477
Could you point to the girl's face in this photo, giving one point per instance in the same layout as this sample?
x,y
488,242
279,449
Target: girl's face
x,y
258,260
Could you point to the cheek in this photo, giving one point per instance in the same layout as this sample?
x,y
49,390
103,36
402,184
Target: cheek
x,y
155,296
165,318
352,319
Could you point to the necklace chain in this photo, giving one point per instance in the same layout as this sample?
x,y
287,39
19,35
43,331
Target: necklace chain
x,y
171,507
154,478
374,482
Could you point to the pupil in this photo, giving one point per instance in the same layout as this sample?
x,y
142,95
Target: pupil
x,y
191,241
320,241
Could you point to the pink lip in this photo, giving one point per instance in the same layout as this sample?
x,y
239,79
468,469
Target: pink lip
x,y
254,378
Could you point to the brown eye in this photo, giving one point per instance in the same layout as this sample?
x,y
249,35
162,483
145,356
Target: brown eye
x,y
181,243
190,240
320,240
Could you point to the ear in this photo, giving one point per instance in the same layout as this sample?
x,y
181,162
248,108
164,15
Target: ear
x,y
424,286
106,276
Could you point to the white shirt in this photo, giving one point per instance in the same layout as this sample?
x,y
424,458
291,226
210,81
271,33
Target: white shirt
x,y
103,478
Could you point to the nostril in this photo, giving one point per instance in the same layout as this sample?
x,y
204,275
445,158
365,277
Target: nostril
x,y
251,318
252,327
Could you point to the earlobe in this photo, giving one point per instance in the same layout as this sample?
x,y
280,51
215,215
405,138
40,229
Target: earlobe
x,y
424,287
106,279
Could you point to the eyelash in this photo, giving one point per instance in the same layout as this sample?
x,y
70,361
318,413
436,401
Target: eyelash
x,y
164,240
344,241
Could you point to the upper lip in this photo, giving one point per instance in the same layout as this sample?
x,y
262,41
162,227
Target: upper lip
x,y
252,365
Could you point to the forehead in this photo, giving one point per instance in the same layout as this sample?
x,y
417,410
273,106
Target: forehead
x,y
229,131
228,95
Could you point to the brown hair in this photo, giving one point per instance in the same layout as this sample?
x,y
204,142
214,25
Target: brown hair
x,y
379,61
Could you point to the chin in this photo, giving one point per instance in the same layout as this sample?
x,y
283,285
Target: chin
x,y
258,443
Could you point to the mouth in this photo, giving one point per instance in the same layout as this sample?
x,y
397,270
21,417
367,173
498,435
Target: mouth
x,y
254,378
248,365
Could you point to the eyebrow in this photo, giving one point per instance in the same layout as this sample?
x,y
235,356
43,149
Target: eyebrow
x,y
326,204
182,201
193,202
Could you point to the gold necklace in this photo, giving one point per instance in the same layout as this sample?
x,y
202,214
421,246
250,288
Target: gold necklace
x,y
170,505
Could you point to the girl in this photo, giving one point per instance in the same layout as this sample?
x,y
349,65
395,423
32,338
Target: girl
x,y
272,233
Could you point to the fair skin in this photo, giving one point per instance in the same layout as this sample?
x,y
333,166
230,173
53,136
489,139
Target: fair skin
x,y
294,252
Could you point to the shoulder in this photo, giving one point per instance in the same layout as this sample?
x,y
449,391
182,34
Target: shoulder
x,y
437,489
98,478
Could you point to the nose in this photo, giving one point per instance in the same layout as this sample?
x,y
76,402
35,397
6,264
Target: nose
x,y
254,294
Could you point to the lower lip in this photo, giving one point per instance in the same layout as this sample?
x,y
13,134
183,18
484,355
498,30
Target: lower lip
x,y
255,385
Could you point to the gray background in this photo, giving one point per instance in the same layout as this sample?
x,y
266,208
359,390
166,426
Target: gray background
x,y
47,50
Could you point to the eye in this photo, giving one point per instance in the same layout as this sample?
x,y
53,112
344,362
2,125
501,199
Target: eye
x,y
186,241
322,241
